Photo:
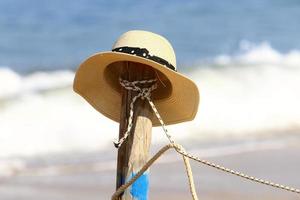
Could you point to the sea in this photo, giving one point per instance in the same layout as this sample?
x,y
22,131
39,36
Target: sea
x,y
243,55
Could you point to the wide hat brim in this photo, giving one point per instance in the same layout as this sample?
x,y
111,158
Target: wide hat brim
x,y
90,82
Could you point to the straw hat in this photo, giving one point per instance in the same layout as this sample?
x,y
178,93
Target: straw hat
x,y
96,80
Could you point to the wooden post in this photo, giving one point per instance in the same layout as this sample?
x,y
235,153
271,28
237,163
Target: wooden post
x,y
133,154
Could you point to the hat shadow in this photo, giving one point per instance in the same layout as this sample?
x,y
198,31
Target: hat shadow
x,y
133,71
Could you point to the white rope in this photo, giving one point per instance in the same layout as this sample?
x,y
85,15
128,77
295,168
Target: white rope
x,y
145,93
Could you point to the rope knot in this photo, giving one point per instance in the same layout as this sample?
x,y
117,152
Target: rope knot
x,y
143,93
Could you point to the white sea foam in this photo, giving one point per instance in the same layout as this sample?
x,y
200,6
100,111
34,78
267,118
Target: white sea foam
x,y
253,91
15,85
12,167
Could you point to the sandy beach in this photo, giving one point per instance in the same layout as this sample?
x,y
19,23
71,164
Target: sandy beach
x,y
92,176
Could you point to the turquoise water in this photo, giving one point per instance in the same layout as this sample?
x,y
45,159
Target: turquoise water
x,y
56,34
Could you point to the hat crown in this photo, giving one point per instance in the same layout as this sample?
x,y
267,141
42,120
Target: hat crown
x,y
156,44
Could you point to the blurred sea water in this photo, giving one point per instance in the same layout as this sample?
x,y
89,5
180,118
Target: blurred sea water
x,y
48,35
245,58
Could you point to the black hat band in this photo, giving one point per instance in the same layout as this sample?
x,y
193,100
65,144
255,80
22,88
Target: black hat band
x,y
144,53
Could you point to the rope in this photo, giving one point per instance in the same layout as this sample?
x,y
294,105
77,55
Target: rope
x,y
145,93
142,93
121,189
190,177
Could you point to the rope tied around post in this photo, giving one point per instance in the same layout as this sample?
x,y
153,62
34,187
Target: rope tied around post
x,y
145,93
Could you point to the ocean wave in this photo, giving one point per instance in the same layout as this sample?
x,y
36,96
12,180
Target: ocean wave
x,y
252,92
251,53
13,84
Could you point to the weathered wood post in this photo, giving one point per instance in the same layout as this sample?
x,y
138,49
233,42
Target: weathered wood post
x,y
133,154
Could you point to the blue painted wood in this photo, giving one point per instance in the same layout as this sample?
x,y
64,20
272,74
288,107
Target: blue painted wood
x,y
140,188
